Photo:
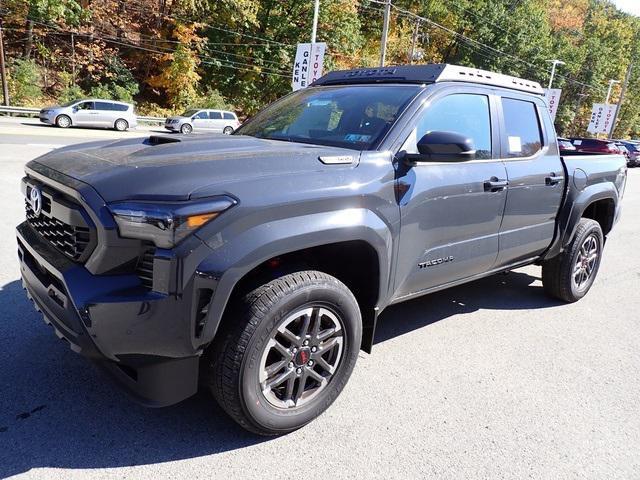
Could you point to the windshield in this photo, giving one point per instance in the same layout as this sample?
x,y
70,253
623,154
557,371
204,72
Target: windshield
x,y
353,116
190,113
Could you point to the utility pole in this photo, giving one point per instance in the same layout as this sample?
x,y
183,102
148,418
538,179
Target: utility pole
x,y
73,59
413,41
3,73
553,69
611,82
314,28
622,92
385,32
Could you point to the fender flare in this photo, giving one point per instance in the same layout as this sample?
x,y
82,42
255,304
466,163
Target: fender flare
x,y
229,262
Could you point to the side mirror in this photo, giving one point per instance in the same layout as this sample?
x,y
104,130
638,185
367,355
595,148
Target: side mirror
x,y
444,147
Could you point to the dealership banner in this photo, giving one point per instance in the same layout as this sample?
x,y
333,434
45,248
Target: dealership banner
x,y
601,118
308,65
553,99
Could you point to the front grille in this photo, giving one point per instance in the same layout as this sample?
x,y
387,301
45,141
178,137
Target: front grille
x,y
144,269
63,223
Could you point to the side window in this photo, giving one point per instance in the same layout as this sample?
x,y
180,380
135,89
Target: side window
x,y
202,116
103,106
215,116
85,106
119,107
228,116
522,126
464,113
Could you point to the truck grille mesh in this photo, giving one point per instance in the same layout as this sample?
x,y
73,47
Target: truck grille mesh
x,y
75,241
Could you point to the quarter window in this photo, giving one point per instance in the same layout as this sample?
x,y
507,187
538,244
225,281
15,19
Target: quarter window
x,y
228,116
464,113
522,127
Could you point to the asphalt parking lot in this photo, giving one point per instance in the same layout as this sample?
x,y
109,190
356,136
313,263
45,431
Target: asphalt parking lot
x,y
487,380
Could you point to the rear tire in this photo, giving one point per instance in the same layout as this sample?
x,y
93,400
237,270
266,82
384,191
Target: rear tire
x,y
570,275
286,353
186,129
227,130
121,125
63,121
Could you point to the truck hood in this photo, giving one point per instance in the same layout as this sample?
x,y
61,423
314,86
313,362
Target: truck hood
x,y
180,168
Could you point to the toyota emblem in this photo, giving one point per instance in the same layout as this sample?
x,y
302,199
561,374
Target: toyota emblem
x,y
35,200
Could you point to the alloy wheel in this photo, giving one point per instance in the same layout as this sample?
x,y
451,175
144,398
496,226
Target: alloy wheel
x,y
586,262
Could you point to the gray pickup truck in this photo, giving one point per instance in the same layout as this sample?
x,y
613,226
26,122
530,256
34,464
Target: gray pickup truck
x,y
256,264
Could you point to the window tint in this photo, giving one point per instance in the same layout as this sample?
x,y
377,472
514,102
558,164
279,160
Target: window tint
x,y
119,107
104,106
522,127
228,116
467,114
215,115
202,115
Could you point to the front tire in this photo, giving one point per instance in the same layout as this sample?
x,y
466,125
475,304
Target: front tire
x,y
186,129
286,353
63,121
570,275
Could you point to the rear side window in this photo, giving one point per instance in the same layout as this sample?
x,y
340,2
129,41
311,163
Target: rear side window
x,y
119,107
522,126
104,106
229,116
215,116
465,113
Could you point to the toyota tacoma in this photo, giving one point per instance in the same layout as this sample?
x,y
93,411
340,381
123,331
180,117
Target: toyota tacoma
x,y
255,265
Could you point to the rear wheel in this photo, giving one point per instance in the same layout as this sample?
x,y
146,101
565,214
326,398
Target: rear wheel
x,y
287,352
121,125
63,121
186,129
227,130
570,275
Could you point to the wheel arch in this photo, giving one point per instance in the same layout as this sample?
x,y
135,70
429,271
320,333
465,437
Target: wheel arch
x,y
55,121
599,204
357,254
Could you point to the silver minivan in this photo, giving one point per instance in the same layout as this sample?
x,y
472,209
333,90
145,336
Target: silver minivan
x,y
220,121
91,112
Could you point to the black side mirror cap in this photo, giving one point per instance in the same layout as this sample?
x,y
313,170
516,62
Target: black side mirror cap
x,y
438,146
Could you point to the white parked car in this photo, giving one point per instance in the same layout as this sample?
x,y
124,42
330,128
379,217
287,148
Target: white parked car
x,y
91,112
220,121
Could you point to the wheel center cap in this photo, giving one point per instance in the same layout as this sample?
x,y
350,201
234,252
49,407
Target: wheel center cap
x,y
302,357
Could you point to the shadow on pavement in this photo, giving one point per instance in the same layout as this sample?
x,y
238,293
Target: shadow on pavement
x,y
57,411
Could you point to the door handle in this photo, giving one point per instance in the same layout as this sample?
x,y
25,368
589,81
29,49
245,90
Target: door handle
x,y
494,184
553,179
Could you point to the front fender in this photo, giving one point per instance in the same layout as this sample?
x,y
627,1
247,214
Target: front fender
x,y
231,261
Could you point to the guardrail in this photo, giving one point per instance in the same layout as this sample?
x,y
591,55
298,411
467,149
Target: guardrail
x,y
36,111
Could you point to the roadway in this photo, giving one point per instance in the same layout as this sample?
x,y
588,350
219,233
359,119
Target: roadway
x,y
487,380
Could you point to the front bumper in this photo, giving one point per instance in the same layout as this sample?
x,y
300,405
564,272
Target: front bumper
x,y
172,127
143,338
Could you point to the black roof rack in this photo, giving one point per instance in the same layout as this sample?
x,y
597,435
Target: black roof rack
x,y
430,73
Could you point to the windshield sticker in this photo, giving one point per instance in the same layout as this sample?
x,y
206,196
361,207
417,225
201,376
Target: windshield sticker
x,y
356,137
515,145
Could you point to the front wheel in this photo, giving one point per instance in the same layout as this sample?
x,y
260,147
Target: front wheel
x,y
186,129
287,352
570,275
63,121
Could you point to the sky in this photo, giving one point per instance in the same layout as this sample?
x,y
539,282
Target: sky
x,y
629,6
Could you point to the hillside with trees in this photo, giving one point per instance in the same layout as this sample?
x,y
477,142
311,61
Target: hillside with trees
x,y
167,55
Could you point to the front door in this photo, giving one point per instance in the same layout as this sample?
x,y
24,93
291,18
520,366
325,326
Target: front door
x,y
84,114
200,121
451,211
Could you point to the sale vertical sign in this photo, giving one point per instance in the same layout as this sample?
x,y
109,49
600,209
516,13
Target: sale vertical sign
x,y
308,64
553,99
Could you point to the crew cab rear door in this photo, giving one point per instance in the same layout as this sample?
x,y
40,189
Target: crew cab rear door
x,y
536,178
450,210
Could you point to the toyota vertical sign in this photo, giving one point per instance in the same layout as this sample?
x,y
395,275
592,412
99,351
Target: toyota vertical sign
x,y
308,65
553,98
601,118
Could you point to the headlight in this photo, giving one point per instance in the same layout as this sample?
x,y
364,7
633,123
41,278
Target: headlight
x,y
166,223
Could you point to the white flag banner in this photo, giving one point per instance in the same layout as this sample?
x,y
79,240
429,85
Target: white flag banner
x,y
553,99
308,64
601,118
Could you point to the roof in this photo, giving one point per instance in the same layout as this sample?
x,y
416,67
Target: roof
x,y
430,73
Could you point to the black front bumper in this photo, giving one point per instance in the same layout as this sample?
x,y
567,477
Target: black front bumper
x,y
142,338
